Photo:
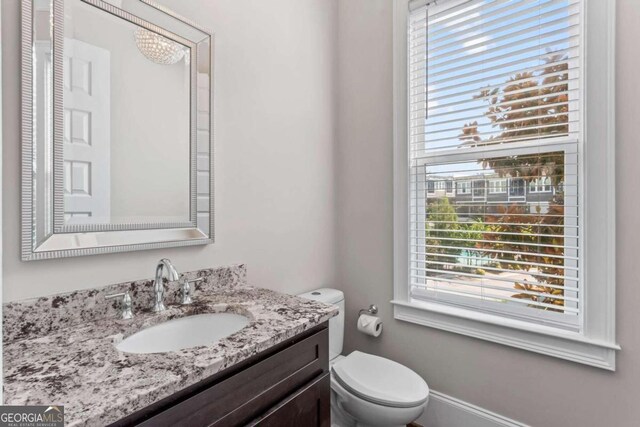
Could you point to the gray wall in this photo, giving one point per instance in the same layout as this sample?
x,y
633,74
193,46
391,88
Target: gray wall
x,y
534,389
275,138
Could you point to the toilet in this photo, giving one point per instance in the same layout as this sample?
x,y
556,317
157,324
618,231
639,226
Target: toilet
x,y
368,390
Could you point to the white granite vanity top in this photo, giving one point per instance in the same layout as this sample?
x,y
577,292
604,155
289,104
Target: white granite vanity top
x,y
75,363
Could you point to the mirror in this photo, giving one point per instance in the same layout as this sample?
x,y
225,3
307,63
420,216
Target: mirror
x,y
117,110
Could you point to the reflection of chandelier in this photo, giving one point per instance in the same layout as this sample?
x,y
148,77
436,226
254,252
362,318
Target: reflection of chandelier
x,y
159,49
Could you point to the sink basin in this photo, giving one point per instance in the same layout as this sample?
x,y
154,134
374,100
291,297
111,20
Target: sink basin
x,y
186,332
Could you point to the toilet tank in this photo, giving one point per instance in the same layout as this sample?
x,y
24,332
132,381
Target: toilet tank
x,y
336,324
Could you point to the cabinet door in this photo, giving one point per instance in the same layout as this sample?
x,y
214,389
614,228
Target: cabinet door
x,y
308,407
240,398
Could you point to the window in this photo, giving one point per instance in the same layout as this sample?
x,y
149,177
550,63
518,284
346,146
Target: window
x,y
540,185
438,187
498,186
464,187
431,187
449,187
494,95
479,189
500,83
516,188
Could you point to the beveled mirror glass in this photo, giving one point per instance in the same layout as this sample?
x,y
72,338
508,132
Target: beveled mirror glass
x,y
117,128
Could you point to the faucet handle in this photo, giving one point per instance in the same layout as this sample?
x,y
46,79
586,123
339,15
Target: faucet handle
x,y
187,291
126,305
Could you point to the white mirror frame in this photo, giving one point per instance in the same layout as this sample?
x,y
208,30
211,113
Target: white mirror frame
x,y
69,241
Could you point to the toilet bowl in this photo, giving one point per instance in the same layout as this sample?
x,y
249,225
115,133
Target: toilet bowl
x,y
368,390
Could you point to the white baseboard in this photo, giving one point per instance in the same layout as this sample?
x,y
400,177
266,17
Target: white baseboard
x,y
447,411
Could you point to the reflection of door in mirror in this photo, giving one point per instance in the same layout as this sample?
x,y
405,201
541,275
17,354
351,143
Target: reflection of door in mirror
x,y
86,133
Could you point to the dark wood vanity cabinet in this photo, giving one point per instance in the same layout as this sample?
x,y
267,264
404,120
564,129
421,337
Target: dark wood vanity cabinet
x,y
287,385
310,406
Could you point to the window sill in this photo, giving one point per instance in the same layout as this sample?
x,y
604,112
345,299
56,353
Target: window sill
x,y
545,340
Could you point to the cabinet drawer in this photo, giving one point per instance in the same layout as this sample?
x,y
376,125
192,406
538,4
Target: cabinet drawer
x,y
309,407
242,397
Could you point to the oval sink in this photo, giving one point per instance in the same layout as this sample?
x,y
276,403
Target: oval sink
x,y
186,332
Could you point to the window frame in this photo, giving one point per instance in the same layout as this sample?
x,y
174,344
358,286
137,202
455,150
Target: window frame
x,y
568,146
463,187
595,343
479,192
499,186
449,188
541,185
510,187
431,188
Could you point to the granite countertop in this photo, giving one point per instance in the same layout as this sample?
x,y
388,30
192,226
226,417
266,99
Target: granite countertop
x,y
78,366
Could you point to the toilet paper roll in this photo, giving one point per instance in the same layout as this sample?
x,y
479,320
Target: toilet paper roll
x,y
370,325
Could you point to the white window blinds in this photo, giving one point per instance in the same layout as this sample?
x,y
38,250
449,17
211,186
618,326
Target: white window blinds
x,y
494,111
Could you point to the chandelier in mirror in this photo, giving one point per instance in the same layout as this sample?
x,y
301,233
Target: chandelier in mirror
x,y
160,49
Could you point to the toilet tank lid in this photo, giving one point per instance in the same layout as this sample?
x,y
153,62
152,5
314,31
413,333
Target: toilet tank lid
x,y
326,295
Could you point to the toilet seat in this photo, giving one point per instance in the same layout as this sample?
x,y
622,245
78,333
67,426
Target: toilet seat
x,y
380,381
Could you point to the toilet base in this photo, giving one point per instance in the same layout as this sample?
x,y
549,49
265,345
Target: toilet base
x,y
343,404
339,418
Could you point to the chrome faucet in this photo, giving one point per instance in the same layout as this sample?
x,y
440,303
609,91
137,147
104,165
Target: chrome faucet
x,y
125,306
158,286
187,291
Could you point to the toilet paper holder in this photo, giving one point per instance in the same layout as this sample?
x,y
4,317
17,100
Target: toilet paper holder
x,y
373,309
